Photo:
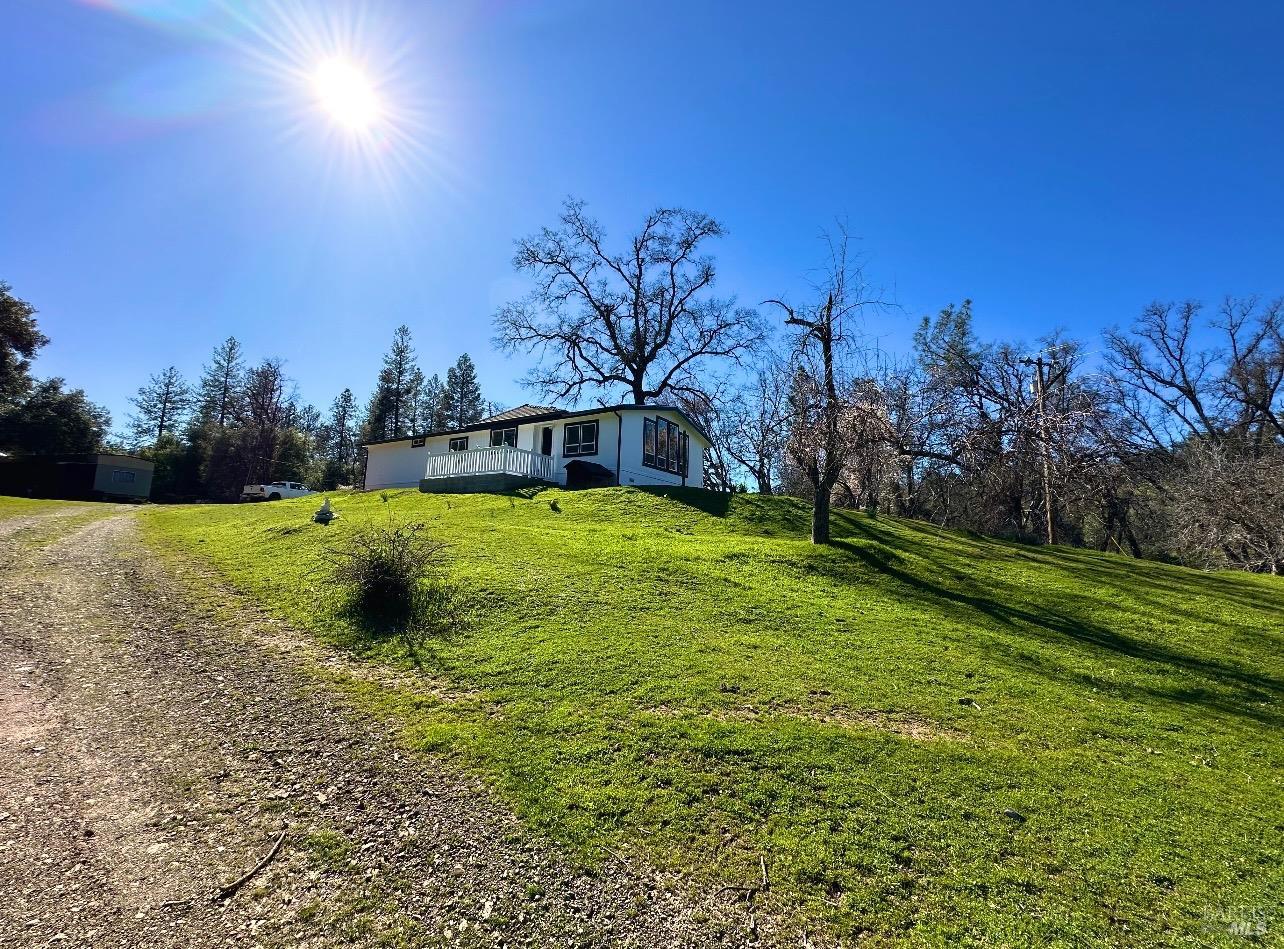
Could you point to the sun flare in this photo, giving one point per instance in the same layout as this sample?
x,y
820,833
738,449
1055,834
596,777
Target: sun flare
x,y
347,94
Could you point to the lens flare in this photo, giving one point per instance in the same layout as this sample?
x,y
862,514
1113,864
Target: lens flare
x,y
346,93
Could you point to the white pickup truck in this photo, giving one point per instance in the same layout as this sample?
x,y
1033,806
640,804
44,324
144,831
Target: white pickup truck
x,y
274,491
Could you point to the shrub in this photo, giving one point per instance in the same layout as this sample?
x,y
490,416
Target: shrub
x,y
391,573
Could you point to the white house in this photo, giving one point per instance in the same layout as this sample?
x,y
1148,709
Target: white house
x,y
532,444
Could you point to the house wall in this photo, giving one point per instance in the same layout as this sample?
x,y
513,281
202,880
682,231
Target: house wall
x,y
394,465
399,465
108,482
632,471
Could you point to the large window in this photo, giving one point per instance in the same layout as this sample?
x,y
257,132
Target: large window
x,y
503,436
664,445
459,444
120,476
580,438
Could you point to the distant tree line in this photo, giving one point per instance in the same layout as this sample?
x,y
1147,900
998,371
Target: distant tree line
x,y
237,424
245,424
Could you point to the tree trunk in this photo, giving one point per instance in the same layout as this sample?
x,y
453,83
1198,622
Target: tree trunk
x,y
820,517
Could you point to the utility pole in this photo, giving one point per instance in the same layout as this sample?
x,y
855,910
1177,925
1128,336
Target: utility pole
x,y
1041,386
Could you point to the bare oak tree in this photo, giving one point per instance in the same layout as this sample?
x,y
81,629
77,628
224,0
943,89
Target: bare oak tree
x,y
643,321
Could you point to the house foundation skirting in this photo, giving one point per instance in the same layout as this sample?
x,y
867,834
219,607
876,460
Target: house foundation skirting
x,y
477,484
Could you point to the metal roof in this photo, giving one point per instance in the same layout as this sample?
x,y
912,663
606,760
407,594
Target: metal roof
x,y
521,412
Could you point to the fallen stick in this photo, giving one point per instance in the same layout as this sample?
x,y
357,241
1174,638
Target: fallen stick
x,y
763,863
230,890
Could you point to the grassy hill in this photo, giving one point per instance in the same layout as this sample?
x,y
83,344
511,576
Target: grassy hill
x,y
926,736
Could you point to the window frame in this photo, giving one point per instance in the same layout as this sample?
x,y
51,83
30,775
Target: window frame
x,y
674,460
418,442
579,427
648,426
123,476
450,445
502,433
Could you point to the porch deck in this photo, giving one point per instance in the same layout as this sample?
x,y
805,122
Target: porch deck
x,y
487,468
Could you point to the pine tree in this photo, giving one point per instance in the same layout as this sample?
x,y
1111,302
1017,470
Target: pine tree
x,y
222,384
425,413
341,441
462,402
390,410
160,408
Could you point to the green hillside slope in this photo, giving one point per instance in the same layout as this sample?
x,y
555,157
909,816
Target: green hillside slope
x,y
926,736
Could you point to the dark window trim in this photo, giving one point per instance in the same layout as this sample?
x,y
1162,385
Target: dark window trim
x,y
500,432
673,435
597,430
417,442
648,422
450,446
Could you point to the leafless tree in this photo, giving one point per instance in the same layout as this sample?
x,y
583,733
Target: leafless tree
x,y
642,321
825,418
1228,391
1228,507
707,408
749,424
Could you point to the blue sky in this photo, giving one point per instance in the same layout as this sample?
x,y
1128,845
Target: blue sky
x,y
166,179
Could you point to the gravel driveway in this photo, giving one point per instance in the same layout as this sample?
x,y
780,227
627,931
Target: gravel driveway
x,y
152,752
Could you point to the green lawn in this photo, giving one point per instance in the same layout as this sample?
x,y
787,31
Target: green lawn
x,y
25,507
684,677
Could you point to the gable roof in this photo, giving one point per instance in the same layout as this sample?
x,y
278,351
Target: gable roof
x,y
526,414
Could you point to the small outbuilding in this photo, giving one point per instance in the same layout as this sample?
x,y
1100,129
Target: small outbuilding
x,y
94,477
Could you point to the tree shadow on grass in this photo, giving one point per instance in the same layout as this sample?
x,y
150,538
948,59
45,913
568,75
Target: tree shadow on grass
x,y
1109,569
1233,689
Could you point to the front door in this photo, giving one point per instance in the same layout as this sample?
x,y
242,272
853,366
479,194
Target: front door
x,y
546,441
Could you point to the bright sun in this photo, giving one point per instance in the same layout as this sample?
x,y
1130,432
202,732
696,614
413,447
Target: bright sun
x,y
346,93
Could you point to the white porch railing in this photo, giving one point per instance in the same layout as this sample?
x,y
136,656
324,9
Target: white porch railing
x,y
484,461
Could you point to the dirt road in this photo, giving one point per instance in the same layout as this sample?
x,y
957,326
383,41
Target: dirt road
x,y
152,752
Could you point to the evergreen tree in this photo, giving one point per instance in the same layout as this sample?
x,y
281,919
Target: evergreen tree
x,y
270,409
160,408
391,405
462,402
341,437
222,384
425,415
54,420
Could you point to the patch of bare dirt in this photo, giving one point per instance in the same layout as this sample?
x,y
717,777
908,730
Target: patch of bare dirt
x,y
151,753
